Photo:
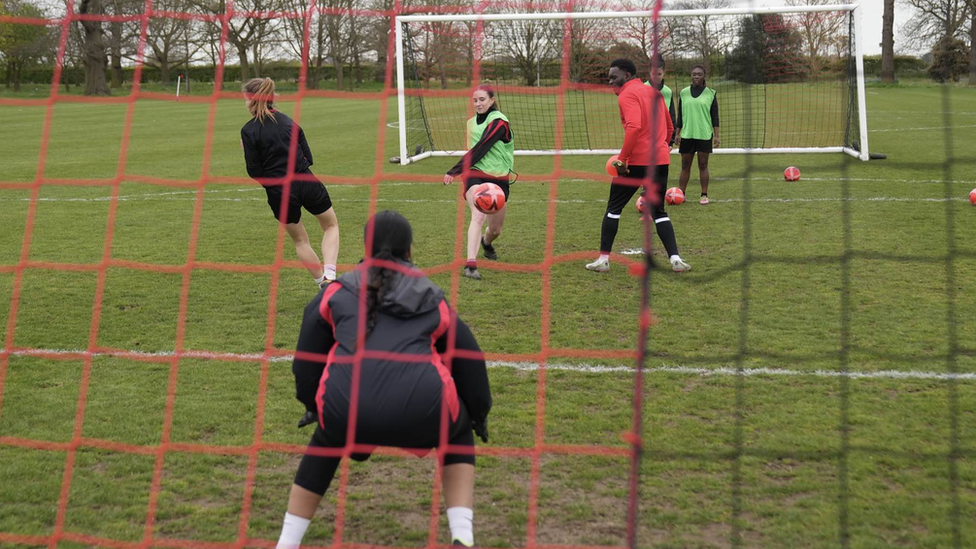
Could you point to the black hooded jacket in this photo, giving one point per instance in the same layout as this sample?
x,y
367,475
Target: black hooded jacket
x,y
414,330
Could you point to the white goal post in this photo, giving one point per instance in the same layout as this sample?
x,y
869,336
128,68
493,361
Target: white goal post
x,y
821,99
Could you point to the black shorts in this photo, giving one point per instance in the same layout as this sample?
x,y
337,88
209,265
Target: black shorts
x,y
622,189
310,195
474,180
691,146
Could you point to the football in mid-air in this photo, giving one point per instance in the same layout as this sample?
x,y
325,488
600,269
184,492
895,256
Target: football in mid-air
x,y
674,196
489,198
972,197
611,169
792,173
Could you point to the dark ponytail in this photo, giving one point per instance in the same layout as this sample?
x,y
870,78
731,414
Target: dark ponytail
x,y
377,286
392,237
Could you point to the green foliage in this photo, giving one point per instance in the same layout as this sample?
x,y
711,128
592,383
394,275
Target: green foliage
x,y
950,60
769,50
23,45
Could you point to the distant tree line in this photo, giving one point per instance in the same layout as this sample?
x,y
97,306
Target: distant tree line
x,y
347,42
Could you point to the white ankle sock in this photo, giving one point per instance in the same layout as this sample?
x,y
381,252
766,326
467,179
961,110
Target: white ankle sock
x,y
604,257
675,257
292,531
320,279
330,272
461,522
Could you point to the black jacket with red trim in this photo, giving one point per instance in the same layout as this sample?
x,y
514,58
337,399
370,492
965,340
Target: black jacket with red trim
x,y
413,319
498,130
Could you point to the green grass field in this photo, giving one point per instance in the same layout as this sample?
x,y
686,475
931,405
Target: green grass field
x,y
866,268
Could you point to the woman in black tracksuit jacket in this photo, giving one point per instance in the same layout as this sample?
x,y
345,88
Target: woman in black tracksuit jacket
x,y
400,401
266,139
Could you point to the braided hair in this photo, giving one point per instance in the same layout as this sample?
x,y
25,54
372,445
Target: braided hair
x,y
392,237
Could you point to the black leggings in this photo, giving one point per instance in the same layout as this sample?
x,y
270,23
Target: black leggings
x,y
315,472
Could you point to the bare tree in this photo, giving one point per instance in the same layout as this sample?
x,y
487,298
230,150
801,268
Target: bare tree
x,y
933,20
972,43
294,33
243,33
94,48
888,42
703,35
531,43
819,31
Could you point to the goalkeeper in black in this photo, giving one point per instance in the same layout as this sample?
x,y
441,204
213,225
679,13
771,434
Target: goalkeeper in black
x,y
427,360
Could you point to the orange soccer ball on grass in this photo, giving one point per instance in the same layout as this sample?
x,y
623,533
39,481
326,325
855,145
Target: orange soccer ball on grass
x,y
674,196
792,173
611,169
489,198
972,197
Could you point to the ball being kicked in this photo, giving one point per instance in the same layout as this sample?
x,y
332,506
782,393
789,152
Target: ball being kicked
x,y
489,198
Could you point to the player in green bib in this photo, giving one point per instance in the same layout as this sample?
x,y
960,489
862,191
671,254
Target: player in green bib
x,y
490,159
657,82
697,129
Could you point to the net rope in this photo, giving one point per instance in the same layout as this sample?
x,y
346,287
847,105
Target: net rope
x,y
540,448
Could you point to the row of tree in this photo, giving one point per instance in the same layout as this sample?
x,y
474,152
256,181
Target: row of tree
x,y
351,37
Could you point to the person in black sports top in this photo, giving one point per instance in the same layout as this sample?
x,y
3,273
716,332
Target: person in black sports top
x,y
400,401
267,142
697,129
490,159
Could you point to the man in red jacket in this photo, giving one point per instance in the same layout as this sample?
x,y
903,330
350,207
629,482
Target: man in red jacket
x,y
647,134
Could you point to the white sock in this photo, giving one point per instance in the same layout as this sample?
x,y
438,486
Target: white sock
x,y
330,272
320,280
604,257
292,531
675,257
461,522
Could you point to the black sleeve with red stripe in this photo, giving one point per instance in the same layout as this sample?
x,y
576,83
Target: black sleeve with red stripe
x,y
470,374
315,337
497,130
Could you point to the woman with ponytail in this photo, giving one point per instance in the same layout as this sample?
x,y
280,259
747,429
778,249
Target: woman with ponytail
x,y
424,365
268,148
490,160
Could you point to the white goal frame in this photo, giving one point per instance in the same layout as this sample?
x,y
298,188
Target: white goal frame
x,y
858,53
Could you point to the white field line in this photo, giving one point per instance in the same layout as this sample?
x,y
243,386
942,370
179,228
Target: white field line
x,y
189,196
722,371
923,128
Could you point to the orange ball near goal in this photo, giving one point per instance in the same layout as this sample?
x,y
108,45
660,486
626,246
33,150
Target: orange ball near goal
x,y
972,197
489,198
792,173
674,196
611,170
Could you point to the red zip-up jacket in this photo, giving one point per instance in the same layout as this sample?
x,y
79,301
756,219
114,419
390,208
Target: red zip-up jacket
x,y
647,125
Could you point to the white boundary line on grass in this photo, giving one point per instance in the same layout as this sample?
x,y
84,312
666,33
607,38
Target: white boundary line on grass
x,y
722,371
183,196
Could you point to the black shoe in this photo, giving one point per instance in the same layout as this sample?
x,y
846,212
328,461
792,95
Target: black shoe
x,y
472,273
489,250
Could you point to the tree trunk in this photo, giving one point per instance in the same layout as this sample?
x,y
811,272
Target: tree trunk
x,y
256,60
339,73
116,54
972,46
888,42
94,50
17,68
164,70
10,76
245,69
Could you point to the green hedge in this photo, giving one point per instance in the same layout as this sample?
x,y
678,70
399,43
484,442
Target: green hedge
x,y
283,72
904,65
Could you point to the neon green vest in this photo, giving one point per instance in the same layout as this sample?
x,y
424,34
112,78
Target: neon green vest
x,y
500,159
696,114
666,92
